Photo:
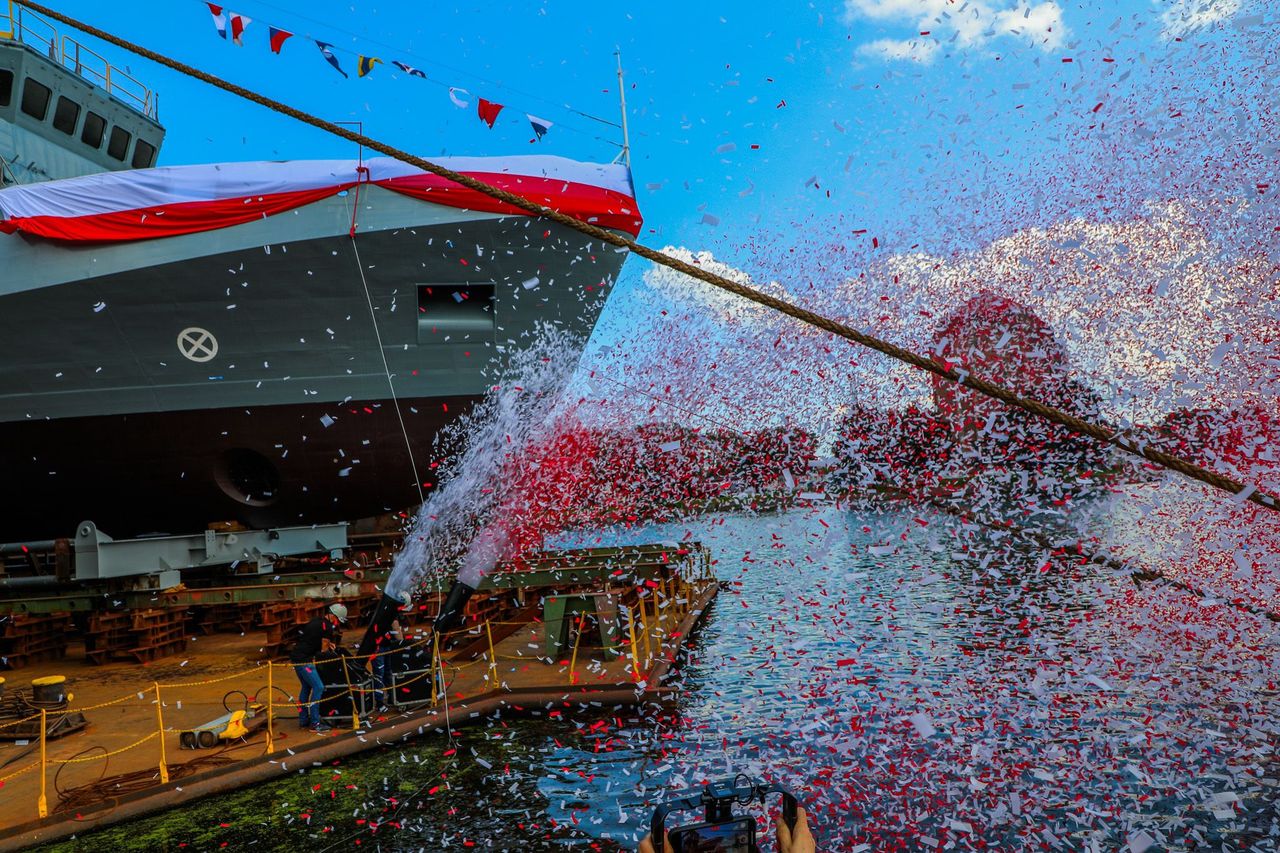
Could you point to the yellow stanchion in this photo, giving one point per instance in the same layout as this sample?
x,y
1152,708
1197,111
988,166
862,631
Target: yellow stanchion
x,y
42,805
436,668
491,678
635,655
271,695
573,660
644,624
355,715
164,764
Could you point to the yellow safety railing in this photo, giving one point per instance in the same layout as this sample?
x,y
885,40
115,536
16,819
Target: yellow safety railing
x,y
642,648
573,660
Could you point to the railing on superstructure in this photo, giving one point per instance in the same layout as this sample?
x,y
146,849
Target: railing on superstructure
x,y
22,25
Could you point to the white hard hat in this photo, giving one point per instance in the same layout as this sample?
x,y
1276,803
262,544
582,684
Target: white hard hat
x,y
339,610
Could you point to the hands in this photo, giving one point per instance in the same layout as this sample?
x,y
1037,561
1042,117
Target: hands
x,y
646,844
798,840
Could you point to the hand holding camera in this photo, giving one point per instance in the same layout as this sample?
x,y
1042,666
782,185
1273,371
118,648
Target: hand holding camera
x,y
722,831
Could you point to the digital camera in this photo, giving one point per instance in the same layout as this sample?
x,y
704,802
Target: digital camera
x,y
720,831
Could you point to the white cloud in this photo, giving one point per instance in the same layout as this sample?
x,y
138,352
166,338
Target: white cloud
x,y
976,23
1184,16
1042,23
913,50
885,10
669,286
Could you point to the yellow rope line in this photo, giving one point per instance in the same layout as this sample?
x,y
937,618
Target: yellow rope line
x,y
106,704
104,755
296,704
258,668
19,722
27,769
181,684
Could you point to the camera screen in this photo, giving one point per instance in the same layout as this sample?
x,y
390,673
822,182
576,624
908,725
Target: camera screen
x,y
736,836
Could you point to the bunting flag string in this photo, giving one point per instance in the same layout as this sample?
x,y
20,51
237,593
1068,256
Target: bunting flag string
x,y
327,51
459,102
238,24
487,110
409,69
219,19
278,37
540,125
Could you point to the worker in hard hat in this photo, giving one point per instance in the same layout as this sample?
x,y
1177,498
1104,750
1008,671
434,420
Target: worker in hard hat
x,y
386,644
317,639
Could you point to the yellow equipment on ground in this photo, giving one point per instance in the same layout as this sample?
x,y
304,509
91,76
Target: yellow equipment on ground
x,y
227,727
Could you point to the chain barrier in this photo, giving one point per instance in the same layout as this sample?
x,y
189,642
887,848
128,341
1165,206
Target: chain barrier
x,y
19,722
32,766
217,680
98,757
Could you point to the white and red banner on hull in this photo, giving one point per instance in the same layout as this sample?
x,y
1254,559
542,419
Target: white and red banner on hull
x,y
145,204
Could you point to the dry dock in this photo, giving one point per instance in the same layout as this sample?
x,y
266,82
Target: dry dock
x,y
621,618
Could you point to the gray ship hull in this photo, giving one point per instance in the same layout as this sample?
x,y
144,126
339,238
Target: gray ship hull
x,y
239,374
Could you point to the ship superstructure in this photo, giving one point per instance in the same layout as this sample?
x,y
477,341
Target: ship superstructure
x,y
242,340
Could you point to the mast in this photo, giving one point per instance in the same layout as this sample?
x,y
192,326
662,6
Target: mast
x,y
622,99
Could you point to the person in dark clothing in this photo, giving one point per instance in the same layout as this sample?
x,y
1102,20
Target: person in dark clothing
x,y
317,639
385,647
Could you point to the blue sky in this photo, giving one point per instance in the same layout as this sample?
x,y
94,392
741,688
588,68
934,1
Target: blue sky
x,y
706,82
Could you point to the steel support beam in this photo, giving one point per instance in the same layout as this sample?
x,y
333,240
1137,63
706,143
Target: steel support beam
x,y
311,586
99,557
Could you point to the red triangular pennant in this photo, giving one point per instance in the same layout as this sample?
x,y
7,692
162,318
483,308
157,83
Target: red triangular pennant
x,y
488,111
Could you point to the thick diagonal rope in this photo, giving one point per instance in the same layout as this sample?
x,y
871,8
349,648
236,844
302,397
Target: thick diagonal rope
x,y
944,371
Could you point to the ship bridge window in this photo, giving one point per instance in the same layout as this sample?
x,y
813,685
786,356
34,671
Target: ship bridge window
x,y
454,311
95,126
118,144
65,115
35,98
144,154
6,87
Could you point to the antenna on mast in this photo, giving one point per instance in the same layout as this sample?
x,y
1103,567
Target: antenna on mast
x,y
622,100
